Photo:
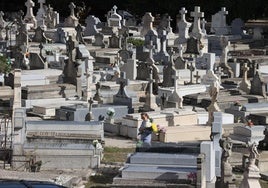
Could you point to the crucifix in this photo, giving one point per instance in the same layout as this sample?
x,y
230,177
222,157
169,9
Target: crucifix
x,y
196,31
191,68
123,83
197,76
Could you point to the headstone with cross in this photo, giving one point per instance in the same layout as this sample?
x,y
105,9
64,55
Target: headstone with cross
x,y
245,84
29,17
114,20
218,23
196,31
123,83
162,55
150,101
169,71
40,13
175,98
122,97
183,27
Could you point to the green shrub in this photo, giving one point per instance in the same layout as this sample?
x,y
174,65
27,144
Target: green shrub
x,y
5,66
136,42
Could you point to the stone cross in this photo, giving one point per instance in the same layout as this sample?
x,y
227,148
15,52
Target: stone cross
x,y
196,32
114,9
203,23
197,77
191,68
29,4
175,97
72,7
183,11
41,10
89,116
150,103
169,28
123,83
223,14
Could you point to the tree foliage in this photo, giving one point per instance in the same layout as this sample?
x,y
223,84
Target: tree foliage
x,y
5,66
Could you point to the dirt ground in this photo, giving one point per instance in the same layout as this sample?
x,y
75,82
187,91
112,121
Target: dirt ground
x,y
121,142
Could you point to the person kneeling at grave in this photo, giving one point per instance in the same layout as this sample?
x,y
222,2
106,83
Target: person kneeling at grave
x,y
145,130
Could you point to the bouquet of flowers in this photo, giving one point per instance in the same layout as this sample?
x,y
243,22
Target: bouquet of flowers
x,y
110,112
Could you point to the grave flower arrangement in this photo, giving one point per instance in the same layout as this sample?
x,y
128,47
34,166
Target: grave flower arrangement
x,y
110,112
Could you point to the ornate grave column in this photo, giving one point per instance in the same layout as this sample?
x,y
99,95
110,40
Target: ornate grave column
x,y
183,27
252,172
226,168
213,107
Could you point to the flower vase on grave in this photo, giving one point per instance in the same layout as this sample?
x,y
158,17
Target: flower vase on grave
x,y
110,118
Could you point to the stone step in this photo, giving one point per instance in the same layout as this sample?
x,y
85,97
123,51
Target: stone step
x,y
163,159
162,165
148,183
157,172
